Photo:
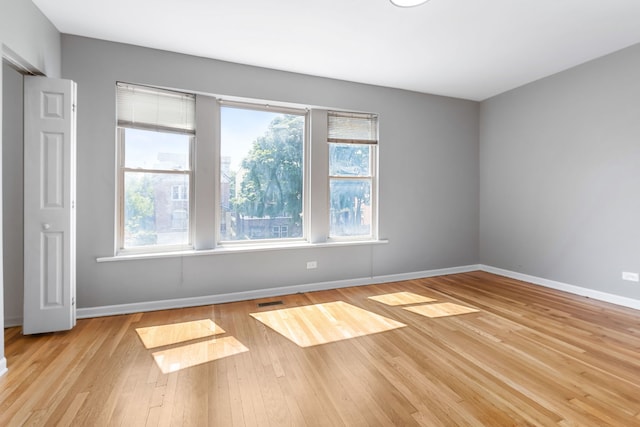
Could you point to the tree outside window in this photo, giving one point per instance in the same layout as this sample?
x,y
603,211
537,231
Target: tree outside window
x,y
262,174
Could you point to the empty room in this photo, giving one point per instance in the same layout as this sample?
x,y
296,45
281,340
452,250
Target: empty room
x,y
328,213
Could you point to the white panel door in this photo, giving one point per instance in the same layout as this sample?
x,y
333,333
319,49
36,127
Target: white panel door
x,y
49,205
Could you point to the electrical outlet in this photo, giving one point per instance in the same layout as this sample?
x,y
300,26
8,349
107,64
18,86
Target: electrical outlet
x,y
632,277
312,264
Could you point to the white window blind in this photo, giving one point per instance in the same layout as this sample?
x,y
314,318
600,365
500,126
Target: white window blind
x,y
352,128
157,109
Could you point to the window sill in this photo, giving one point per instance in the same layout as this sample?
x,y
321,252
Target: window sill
x,y
233,249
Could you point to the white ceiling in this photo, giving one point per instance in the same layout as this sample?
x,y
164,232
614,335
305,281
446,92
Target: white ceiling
x,y
471,49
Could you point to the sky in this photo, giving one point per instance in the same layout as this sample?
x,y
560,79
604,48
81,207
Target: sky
x,y
240,128
149,149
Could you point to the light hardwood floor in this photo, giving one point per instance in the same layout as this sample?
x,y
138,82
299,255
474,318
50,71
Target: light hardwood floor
x,y
527,356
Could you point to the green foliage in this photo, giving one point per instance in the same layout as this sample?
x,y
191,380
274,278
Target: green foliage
x,y
139,206
349,196
272,181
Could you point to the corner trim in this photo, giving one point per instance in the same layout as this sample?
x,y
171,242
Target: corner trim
x,y
3,366
111,310
560,286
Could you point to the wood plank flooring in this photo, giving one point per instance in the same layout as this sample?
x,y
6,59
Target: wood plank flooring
x,y
529,356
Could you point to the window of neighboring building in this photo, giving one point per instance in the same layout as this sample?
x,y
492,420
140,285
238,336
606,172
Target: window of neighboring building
x,y
179,192
352,152
155,138
262,172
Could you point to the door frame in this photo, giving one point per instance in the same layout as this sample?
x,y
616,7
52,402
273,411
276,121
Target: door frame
x,y
25,68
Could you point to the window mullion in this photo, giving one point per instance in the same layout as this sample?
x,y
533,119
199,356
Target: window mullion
x,y
318,207
119,241
350,177
159,171
206,163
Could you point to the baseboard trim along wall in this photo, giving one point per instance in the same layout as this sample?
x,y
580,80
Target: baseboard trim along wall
x,y
423,274
111,310
3,366
572,289
83,313
10,322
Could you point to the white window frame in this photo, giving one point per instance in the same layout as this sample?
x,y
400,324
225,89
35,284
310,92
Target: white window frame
x,y
372,177
122,171
130,123
259,106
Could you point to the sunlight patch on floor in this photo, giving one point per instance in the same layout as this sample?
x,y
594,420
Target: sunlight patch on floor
x,y
441,310
324,323
401,298
158,336
185,356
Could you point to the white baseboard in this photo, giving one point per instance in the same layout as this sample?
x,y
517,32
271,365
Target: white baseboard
x,y
426,273
3,366
10,322
577,290
110,310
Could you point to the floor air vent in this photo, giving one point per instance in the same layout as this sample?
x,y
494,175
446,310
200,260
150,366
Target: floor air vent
x,y
269,303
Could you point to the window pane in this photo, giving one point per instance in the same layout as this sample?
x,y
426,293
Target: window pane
x,y
349,160
151,215
350,209
261,174
147,149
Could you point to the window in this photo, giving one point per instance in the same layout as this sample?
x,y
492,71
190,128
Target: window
x,y
179,192
261,173
280,231
352,142
155,139
248,177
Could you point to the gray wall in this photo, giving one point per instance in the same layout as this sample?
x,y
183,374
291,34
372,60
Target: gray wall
x,y
428,178
28,35
12,194
560,176
3,360
30,39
